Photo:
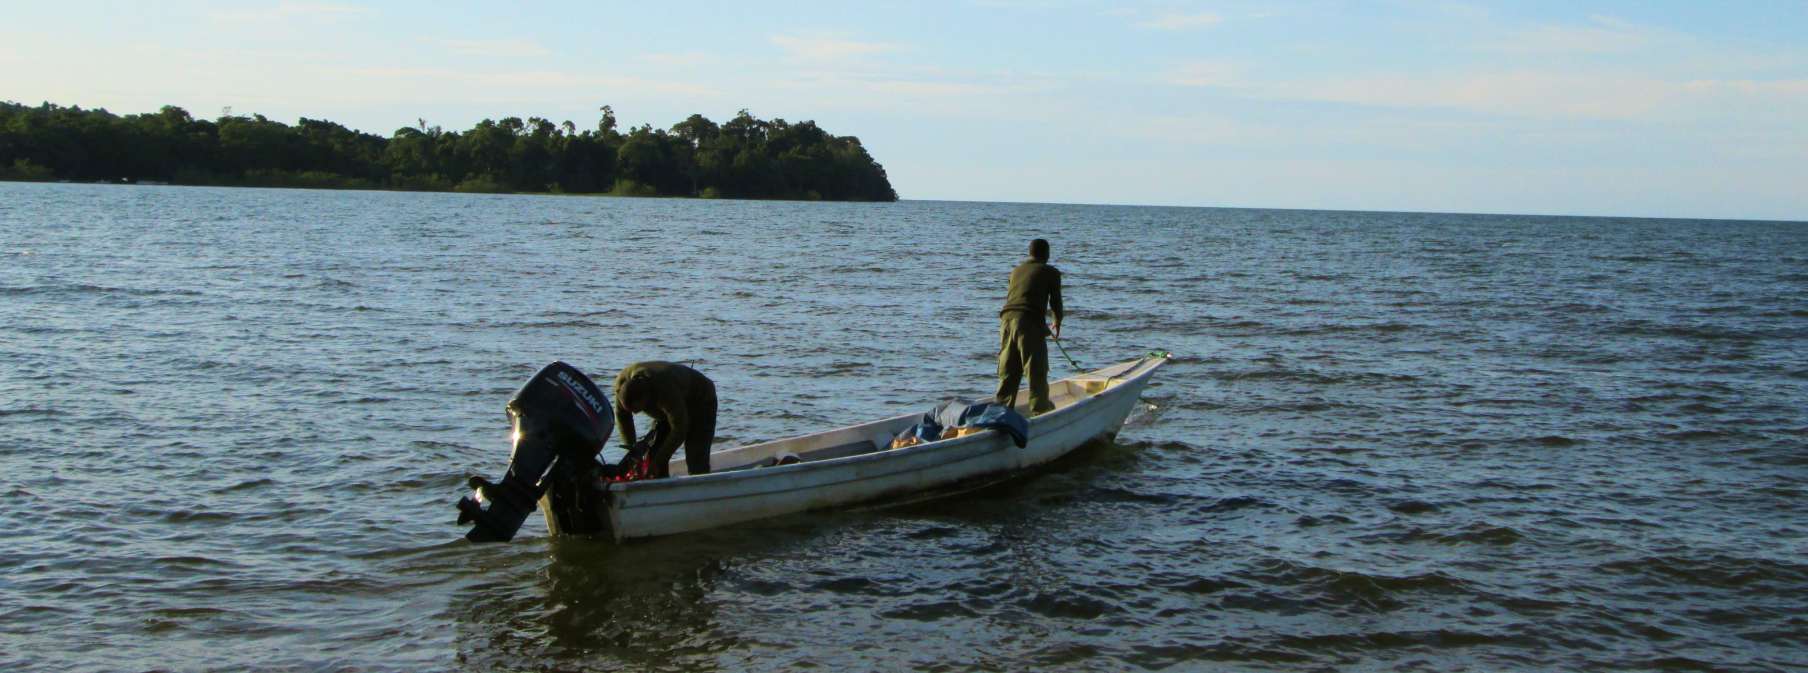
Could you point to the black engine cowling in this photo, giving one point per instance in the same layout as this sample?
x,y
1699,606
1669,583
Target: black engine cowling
x,y
561,421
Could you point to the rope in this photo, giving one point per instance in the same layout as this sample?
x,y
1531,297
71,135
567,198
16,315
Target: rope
x,y
1151,355
1064,354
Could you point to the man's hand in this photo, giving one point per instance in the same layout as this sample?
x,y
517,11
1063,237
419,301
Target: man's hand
x,y
1057,331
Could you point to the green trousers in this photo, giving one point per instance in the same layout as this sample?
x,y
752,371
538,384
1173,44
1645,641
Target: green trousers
x,y
1020,347
701,407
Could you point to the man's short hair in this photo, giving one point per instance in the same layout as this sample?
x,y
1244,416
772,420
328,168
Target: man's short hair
x,y
1039,250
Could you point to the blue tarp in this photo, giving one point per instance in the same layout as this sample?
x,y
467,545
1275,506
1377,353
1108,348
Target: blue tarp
x,y
959,413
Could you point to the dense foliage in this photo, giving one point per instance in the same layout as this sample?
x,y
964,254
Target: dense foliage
x,y
746,157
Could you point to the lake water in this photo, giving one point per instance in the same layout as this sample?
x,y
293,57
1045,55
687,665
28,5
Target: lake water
x,y
233,424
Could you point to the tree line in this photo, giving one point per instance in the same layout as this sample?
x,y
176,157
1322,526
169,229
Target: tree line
x,y
745,157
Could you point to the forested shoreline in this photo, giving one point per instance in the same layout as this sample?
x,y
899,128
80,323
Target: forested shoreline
x,y
745,157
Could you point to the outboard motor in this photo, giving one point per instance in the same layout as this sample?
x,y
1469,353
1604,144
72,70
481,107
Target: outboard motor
x,y
561,421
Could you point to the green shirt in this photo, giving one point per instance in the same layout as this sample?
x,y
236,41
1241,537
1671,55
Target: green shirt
x,y
668,391
1034,285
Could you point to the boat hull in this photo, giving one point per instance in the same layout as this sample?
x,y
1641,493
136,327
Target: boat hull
x,y
678,505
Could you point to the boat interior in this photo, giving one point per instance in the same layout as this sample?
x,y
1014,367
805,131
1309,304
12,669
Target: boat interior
x,y
877,435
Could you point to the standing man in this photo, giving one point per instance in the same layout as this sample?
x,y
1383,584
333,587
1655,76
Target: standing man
x,y
1035,285
682,404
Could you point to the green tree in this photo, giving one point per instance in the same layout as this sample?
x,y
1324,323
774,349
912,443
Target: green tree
x,y
745,157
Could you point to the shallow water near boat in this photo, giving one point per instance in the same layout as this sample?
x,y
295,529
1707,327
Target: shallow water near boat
x,y
233,424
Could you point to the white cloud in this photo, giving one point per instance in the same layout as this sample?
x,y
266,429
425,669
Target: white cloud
x,y
1178,21
1205,73
932,89
1600,95
387,83
1788,88
493,48
1520,92
1604,35
828,48
1038,5
687,59
1197,129
1021,97
285,11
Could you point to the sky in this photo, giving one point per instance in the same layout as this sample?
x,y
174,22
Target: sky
x,y
1649,108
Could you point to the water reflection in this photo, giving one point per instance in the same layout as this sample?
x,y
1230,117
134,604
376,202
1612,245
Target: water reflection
x,y
648,605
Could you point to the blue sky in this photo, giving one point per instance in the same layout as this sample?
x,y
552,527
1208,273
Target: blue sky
x,y
1676,109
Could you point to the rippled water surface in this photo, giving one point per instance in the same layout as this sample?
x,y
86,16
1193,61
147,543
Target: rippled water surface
x,y
233,424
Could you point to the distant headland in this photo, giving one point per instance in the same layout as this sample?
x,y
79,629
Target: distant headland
x,y
745,157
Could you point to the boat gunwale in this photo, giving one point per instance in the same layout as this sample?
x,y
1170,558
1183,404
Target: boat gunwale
x,y
1136,370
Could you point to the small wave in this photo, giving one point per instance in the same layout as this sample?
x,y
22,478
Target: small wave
x,y
188,612
1306,376
1473,534
84,288
1067,605
1572,308
1703,332
935,533
1233,503
931,611
1717,571
440,448
1443,639
1310,376
844,367
1671,663
1170,445
1310,521
43,413
863,586
246,485
1412,506
1349,486
1697,435
1241,324
1345,588
1499,402
187,516
550,324
193,561
1198,585
1295,407
1109,494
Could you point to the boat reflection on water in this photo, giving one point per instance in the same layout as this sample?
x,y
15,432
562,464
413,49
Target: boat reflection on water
x,y
645,606
711,599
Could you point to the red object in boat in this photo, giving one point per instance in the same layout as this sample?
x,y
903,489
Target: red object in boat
x,y
643,469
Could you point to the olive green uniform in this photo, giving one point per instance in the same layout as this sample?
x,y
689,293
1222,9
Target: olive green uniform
x,y
682,403
1035,286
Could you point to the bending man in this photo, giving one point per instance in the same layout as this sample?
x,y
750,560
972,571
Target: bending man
x,y
1035,286
682,404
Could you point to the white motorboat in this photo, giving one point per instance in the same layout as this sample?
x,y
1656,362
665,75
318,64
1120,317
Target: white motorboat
x,y
834,468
